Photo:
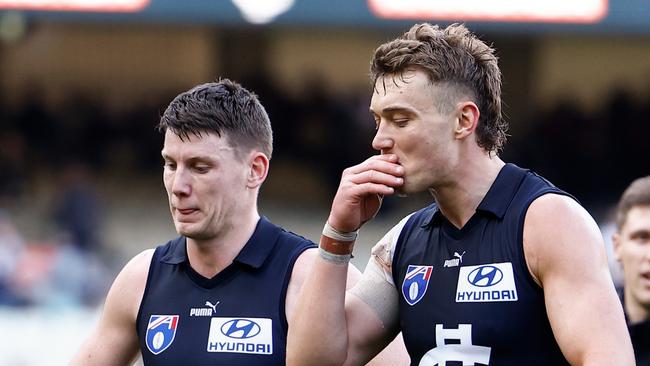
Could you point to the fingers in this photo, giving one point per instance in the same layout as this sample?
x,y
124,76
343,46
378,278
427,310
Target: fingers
x,y
386,163
359,195
376,177
379,169
355,191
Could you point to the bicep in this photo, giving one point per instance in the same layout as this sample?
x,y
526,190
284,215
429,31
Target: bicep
x,y
566,255
371,311
114,341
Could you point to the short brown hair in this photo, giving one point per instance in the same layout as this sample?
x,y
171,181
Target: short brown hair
x,y
452,56
222,107
636,194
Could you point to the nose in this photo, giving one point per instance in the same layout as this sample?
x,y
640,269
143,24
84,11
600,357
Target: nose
x,y
382,141
646,253
180,182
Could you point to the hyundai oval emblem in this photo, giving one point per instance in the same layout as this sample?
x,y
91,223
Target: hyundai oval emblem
x,y
240,328
485,276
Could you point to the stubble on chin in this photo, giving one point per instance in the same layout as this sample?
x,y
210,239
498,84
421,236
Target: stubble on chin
x,y
400,192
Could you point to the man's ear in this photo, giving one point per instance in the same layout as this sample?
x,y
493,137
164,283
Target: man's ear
x,y
616,245
258,169
466,119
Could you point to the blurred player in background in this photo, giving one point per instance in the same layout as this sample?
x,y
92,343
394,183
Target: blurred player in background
x,y
632,249
502,269
223,291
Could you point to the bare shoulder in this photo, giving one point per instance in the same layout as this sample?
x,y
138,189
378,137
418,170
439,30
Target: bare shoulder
x,y
556,226
114,341
565,253
130,282
138,266
299,274
301,270
303,264
135,272
554,215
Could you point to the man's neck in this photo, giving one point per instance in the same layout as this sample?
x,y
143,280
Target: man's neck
x,y
209,257
636,312
459,199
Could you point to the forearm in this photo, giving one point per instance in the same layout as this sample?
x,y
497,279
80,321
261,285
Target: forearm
x,y
318,331
105,349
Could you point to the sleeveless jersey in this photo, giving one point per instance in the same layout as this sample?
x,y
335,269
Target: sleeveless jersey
x,y
466,295
235,318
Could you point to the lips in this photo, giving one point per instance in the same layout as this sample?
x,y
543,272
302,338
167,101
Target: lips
x,y
645,279
186,211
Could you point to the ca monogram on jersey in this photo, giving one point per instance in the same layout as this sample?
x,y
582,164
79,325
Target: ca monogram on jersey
x,y
241,335
486,283
460,350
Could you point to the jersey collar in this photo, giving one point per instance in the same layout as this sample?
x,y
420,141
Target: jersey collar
x,y
253,254
498,197
503,190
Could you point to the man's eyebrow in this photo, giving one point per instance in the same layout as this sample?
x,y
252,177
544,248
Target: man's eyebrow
x,y
200,158
393,109
191,159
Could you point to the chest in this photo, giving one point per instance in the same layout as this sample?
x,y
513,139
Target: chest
x,y
469,293
239,319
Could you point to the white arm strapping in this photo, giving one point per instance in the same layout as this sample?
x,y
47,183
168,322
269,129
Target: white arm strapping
x,y
376,287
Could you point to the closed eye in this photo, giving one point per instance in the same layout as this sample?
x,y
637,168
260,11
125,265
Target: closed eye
x,y
402,122
377,121
168,165
201,169
641,236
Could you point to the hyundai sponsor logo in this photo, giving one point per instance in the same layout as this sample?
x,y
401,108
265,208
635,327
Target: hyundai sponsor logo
x,y
241,335
485,276
494,282
240,329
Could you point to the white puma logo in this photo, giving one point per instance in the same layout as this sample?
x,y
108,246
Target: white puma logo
x,y
455,262
460,256
214,307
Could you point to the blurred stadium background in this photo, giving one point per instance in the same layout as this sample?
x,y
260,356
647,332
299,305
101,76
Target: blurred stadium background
x,y
82,84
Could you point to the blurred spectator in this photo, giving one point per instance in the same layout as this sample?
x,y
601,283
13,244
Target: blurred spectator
x,y
12,164
632,248
47,274
11,250
77,211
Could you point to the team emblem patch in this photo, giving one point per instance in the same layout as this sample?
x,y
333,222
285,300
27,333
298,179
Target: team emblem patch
x,y
161,332
415,283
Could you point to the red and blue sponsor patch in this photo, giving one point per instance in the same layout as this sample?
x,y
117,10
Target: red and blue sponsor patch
x,y
161,331
416,282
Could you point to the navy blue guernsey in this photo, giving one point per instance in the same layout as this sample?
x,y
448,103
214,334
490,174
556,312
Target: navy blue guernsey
x,y
466,295
235,318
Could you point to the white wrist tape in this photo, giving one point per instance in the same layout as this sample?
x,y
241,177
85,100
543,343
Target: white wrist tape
x,y
334,258
331,232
